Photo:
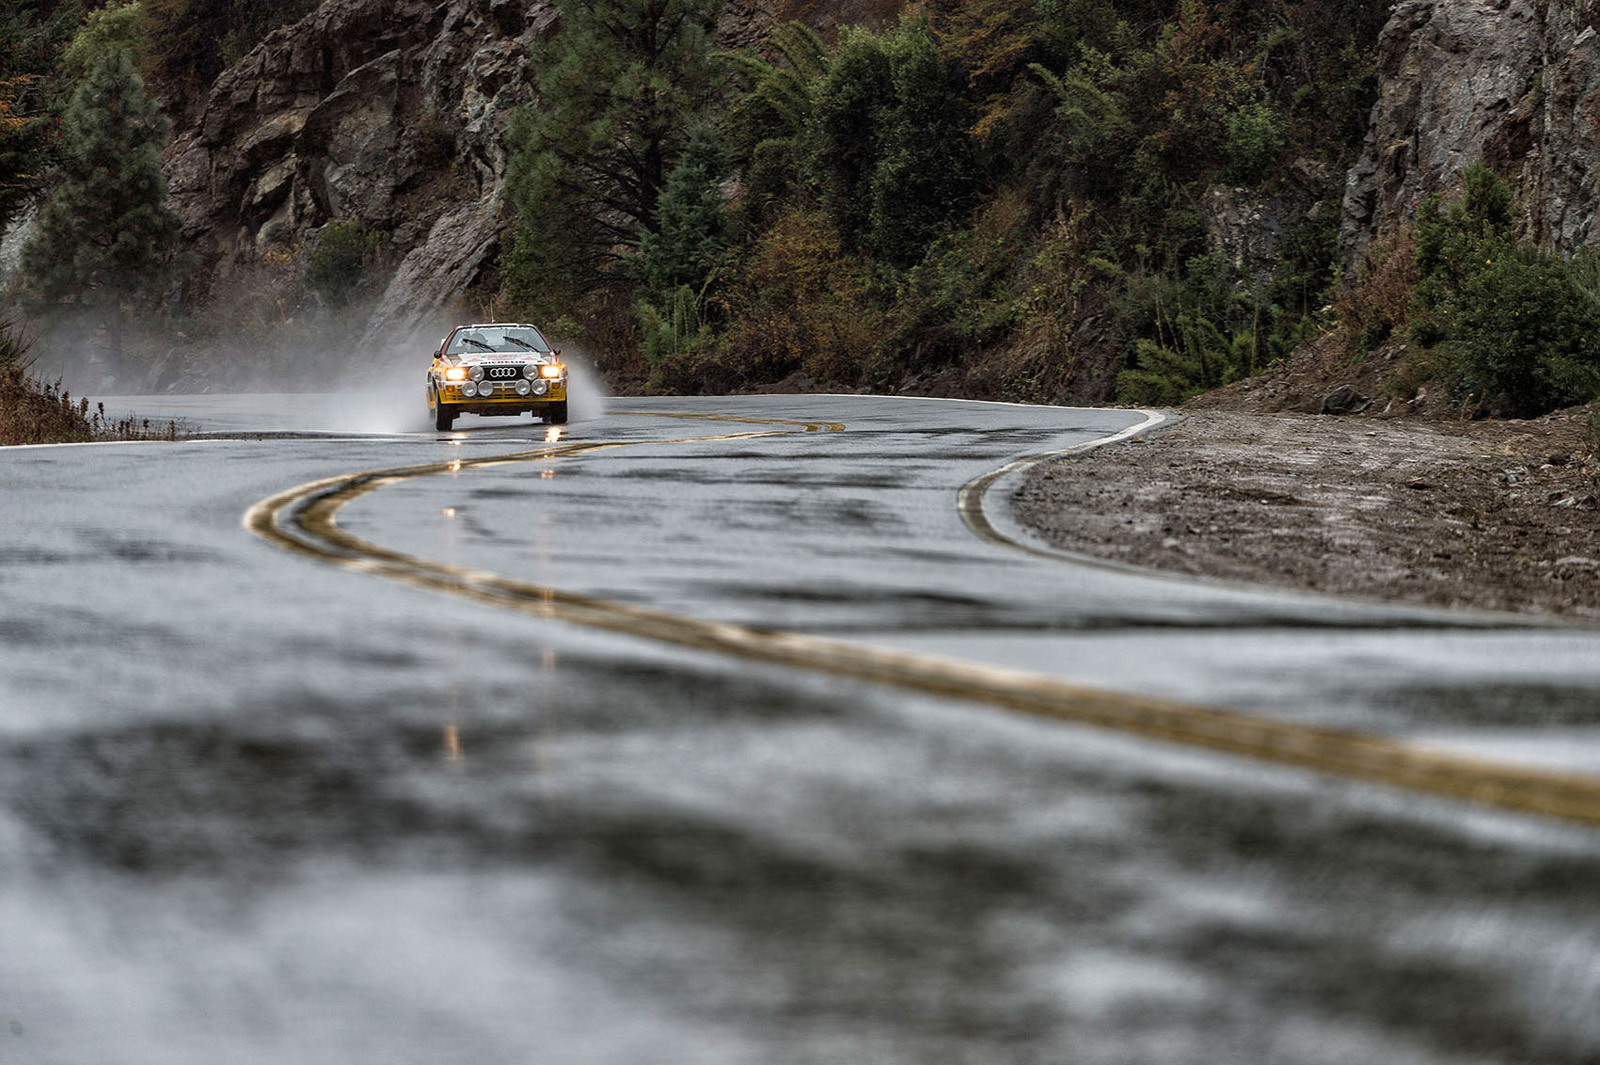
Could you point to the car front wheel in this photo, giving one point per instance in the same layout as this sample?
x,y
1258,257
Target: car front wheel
x,y
444,415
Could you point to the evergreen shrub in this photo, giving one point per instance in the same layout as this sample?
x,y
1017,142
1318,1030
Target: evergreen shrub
x,y
336,264
1521,324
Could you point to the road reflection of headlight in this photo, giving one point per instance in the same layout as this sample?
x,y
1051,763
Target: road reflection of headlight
x,y
551,369
456,373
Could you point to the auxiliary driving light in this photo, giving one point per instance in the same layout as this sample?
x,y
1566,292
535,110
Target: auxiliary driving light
x,y
523,388
469,389
456,373
540,388
476,373
551,369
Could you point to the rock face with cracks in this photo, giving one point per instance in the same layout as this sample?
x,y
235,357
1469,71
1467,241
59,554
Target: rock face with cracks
x,y
1515,83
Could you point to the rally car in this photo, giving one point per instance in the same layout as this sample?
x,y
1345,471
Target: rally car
x,y
500,368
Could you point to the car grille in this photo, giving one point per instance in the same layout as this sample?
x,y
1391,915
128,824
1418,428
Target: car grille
x,y
502,373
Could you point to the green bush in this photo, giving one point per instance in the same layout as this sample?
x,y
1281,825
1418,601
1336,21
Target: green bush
x,y
924,172
964,295
1425,333
1449,235
1255,137
1203,358
845,129
1524,338
691,224
1521,325
336,264
1304,280
1208,330
673,337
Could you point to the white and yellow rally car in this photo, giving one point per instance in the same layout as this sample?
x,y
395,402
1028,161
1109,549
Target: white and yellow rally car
x,y
502,368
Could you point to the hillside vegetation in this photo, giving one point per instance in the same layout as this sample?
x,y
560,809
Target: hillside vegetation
x,y
1071,200
1010,198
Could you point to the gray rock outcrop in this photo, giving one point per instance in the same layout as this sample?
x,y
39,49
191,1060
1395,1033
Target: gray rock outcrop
x,y
390,113
1515,83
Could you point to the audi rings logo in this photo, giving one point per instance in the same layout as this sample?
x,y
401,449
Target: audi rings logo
x,y
501,372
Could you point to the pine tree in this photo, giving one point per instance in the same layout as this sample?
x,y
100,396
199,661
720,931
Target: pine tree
x,y
106,235
691,224
620,85
117,27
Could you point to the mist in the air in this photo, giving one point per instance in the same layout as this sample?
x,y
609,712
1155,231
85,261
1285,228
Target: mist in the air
x,y
328,376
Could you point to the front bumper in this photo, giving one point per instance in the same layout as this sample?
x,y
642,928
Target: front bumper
x,y
506,396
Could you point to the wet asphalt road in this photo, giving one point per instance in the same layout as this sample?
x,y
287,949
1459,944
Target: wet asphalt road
x,y
258,809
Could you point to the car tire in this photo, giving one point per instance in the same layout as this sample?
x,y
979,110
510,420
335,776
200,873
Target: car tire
x,y
556,413
444,415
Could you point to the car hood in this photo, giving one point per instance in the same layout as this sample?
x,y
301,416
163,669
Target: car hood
x,y
485,358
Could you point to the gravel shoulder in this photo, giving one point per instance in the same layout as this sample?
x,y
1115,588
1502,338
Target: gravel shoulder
x,y
1495,515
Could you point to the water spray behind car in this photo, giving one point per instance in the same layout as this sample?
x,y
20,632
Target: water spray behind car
x,y
586,396
395,389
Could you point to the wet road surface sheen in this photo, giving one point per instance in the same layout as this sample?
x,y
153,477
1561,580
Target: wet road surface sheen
x,y
257,809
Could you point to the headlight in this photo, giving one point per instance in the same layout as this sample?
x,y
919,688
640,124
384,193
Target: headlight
x,y
476,373
552,369
456,373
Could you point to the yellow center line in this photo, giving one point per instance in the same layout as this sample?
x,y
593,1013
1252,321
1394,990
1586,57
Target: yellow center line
x,y
304,520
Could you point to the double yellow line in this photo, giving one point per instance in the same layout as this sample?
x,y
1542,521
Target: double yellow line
x,y
304,520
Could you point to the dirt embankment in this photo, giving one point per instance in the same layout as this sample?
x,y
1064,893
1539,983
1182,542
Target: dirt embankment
x,y
1498,515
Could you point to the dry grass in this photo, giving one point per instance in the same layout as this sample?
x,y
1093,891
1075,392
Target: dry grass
x,y
33,412
1379,303
37,412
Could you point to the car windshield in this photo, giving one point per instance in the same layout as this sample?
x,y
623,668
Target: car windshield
x,y
481,338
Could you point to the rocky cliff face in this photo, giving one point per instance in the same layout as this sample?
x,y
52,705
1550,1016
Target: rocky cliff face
x,y
1513,82
387,112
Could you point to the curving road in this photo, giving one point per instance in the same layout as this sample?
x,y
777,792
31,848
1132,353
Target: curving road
x,y
745,730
